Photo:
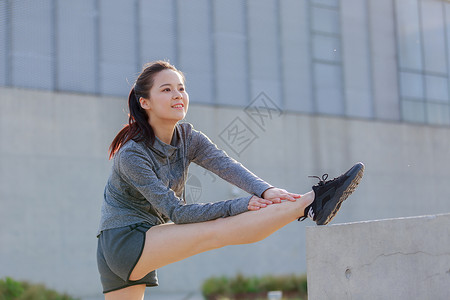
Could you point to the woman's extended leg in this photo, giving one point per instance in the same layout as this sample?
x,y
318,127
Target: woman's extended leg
x,y
169,243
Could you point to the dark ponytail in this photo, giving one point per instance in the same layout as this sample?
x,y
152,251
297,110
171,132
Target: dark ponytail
x,y
138,127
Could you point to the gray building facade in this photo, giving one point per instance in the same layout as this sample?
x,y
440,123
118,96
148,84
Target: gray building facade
x,y
314,85
382,60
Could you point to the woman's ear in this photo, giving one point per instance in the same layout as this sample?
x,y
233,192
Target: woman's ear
x,y
145,103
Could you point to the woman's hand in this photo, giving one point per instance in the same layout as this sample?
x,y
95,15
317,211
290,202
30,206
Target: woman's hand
x,y
256,203
276,195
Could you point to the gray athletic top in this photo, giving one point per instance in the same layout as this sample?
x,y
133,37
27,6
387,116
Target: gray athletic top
x,y
146,183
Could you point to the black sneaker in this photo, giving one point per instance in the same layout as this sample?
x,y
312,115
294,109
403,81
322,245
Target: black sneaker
x,y
330,194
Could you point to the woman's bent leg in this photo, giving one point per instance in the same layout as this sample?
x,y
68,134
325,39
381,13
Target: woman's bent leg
x,y
169,243
134,292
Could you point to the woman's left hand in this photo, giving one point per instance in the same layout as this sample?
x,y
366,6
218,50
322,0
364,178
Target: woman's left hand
x,y
276,195
256,203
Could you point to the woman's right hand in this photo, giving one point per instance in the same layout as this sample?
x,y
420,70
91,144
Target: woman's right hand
x,y
257,203
277,195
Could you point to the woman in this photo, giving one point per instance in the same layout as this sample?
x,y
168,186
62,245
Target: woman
x,y
151,156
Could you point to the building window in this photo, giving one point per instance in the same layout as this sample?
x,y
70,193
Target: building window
x,y
423,60
326,57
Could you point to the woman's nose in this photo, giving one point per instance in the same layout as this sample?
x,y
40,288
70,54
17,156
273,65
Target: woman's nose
x,y
177,95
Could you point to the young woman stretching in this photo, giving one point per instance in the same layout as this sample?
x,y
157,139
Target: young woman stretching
x,y
145,190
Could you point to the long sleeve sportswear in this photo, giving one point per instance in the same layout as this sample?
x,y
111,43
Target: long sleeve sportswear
x,y
146,182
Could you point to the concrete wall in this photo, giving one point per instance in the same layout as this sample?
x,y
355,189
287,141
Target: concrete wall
x,y
405,258
53,168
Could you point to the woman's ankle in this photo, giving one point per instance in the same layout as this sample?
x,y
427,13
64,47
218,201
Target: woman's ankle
x,y
305,201
308,198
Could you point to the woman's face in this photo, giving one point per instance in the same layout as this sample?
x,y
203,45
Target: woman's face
x,y
169,100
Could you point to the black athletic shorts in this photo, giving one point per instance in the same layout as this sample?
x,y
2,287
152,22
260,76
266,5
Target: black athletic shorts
x,y
118,251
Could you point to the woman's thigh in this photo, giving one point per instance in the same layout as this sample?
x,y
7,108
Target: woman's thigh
x,y
169,243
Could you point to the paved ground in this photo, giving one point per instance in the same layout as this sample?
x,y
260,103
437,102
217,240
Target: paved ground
x,y
161,296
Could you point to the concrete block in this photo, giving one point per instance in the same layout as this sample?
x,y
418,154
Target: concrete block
x,y
405,258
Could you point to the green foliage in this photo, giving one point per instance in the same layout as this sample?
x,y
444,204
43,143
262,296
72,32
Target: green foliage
x,y
11,289
242,287
216,286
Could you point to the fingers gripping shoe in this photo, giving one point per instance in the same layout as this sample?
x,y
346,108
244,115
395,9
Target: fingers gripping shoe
x,y
330,194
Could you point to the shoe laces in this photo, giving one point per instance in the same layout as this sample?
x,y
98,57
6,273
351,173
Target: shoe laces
x,y
322,180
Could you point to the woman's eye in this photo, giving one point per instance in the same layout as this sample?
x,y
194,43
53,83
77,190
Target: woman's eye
x,y
166,90
182,89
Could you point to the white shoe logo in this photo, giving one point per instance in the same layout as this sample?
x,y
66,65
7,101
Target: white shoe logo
x,y
311,213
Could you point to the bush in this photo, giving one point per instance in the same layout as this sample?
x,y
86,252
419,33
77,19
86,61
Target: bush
x,y
241,287
11,289
216,286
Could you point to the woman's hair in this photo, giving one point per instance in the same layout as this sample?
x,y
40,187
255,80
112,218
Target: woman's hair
x,y
138,127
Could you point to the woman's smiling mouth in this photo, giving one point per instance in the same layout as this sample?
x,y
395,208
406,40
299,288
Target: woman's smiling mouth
x,y
178,106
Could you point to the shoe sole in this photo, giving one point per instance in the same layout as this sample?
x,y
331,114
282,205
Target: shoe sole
x,y
330,209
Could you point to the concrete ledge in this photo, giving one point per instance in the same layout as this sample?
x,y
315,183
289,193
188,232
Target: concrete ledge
x,y
406,258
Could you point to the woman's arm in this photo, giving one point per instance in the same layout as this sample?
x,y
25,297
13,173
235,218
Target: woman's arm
x,y
203,152
137,171
207,155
